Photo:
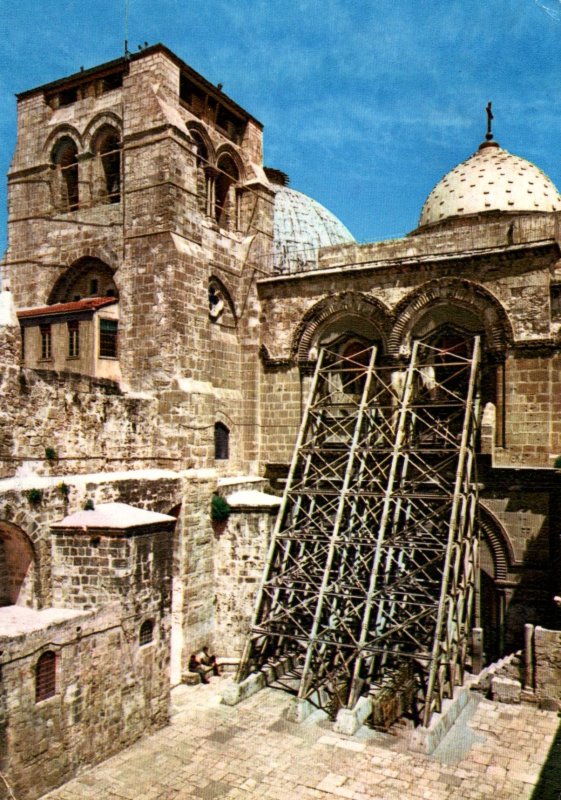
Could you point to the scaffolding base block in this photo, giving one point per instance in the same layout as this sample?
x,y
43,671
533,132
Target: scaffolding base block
x,y
299,710
349,720
426,740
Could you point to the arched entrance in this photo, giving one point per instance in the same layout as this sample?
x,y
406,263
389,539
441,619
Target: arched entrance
x,y
17,567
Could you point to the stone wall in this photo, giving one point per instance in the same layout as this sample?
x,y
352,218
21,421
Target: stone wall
x,y
240,555
547,667
109,691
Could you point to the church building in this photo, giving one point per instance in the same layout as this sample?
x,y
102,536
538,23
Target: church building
x,y
166,298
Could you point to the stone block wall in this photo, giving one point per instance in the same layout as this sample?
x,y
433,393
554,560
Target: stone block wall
x,y
241,548
547,667
109,691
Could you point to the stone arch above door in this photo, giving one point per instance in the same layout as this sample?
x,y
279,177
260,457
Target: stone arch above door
x,y
351,313
451,299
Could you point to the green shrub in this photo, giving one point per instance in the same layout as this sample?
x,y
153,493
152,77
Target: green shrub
x,y
219,509
557,462
64,489
34,496
50,454
89,505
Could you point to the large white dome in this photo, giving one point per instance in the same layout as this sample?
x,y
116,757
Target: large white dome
x,y
301,227
492,179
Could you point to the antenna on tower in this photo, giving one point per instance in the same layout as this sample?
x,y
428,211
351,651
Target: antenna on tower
x,y
127,52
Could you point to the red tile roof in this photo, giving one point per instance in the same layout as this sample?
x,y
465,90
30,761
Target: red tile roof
x,y
89,304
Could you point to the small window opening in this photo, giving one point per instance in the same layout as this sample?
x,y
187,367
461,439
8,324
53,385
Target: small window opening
x,y
73,339
23,344
221,442
45,676
94,286
108,329
68,96
46,341
111,82
203,178
146,634
555,295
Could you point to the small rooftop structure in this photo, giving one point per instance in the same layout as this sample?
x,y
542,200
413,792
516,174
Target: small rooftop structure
x,y
117,518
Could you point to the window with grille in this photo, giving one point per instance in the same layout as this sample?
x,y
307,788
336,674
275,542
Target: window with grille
x,y
73,339
46,341
108,338
146,634
221,441
45,676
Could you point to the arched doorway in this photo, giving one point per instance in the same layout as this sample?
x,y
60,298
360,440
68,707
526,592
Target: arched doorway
x,y
17,567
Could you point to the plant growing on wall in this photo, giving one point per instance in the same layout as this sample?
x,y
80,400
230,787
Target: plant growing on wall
x,y
34,496
557,462
50,454
64,489
89,505
220,510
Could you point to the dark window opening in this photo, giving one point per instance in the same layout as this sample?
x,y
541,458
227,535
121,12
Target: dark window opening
x,y
68,96
46,341
108,149
146,634
73,339
111,82
66,161
45,676
23,344
221,442
192,95
555,295
94,286
108,338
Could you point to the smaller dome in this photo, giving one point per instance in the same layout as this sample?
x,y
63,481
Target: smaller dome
x,y
492,179
301,227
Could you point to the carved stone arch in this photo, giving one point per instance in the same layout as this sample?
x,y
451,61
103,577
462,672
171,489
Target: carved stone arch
x,y
105,120
221,305
74,280
58,133
202,132
498,540
352,305
452,291
18,567
227,150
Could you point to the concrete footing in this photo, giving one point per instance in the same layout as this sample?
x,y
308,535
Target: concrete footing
x,y
299,710
426,740
234,693
349,720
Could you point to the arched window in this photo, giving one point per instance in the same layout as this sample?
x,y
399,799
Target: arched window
x,y
226,210
146,634
203,178
87,277
45,676
221,442
65,159
107,147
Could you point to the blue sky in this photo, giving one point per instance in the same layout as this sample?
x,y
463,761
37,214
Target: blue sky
x,y
366,103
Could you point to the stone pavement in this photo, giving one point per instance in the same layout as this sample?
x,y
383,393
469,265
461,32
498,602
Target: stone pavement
x,y
251,752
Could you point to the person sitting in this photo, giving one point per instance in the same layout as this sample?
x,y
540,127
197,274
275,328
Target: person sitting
x,y
208,660
195,665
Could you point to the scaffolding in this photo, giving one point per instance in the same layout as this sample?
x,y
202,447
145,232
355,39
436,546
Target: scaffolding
x,y
370,575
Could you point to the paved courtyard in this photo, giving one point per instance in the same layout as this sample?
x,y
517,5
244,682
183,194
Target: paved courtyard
x,y
251,752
